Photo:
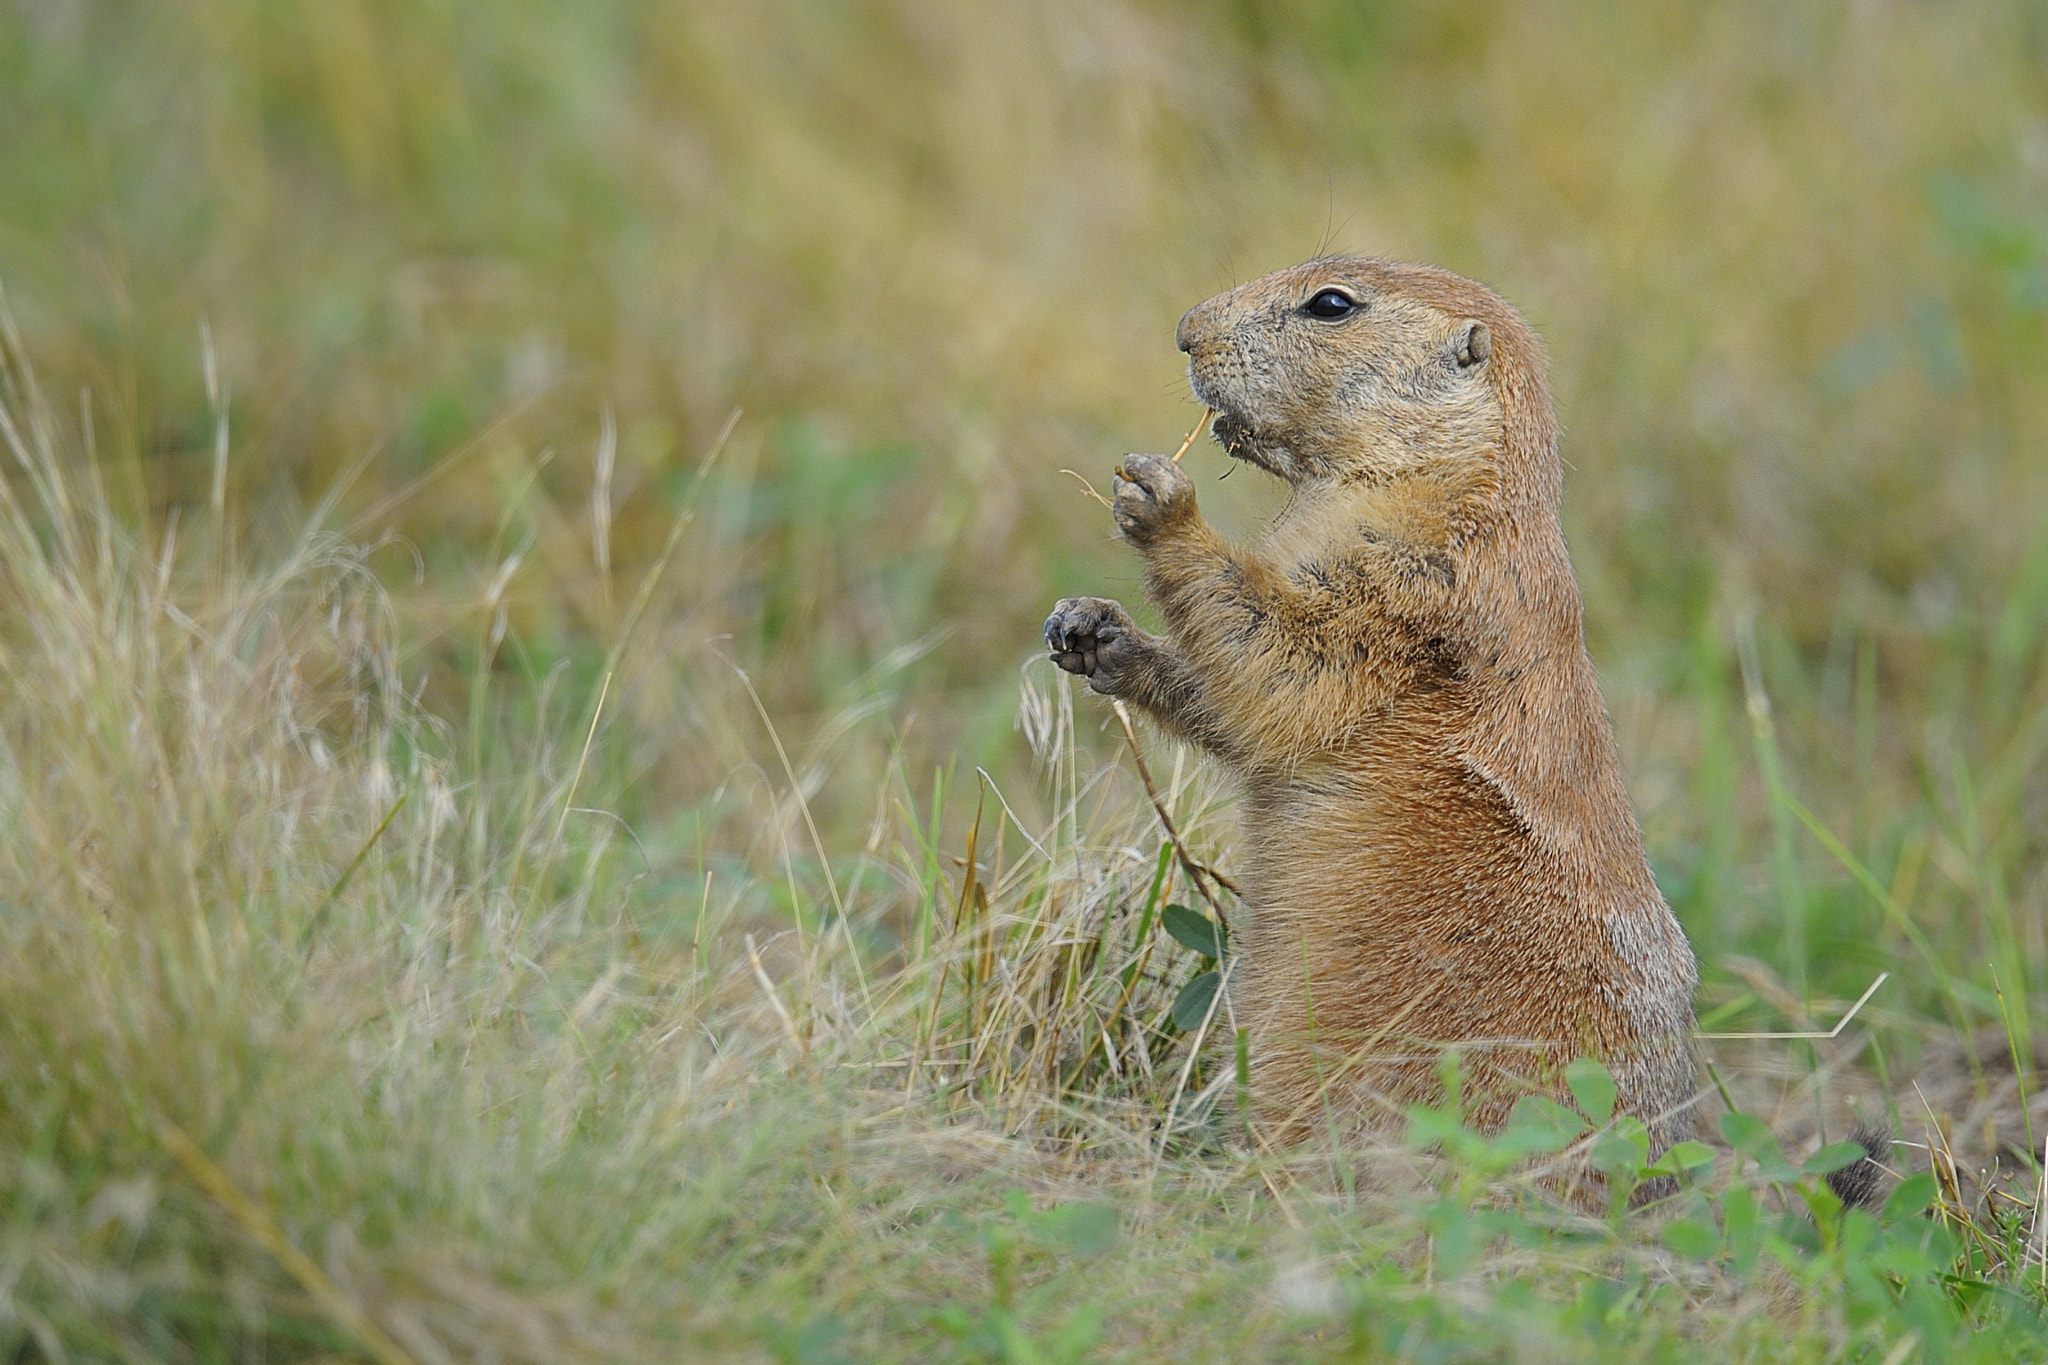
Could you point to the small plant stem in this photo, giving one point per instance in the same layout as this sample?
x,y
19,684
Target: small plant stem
x,y
2040,1228
1154,895
1187,1065
1089,487
1193,432
583,759
2012,1043
341,883
1198,873
1989,879
928,906
796,1037
960,914
1244,1082
1865,832
1813,1034
1131,974
1726,1098
1791,894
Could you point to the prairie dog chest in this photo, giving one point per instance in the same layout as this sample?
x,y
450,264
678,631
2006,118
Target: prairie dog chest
x,y
1322,530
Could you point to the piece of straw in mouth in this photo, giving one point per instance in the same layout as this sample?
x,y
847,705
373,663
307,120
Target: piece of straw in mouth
x,y
1207,413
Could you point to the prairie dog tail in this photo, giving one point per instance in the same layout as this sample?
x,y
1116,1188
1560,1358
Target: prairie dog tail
x,y
1861,1184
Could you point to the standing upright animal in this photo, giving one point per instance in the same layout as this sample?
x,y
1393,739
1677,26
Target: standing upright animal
x,y
1437,849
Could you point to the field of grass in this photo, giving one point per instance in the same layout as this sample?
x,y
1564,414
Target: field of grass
x,y
532,823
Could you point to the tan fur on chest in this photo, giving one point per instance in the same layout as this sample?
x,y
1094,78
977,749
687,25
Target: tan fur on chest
x,y
1427,512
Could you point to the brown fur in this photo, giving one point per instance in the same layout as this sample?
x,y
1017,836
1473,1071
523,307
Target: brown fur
x,y
1437,846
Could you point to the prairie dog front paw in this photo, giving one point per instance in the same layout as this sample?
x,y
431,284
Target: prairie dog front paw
x,y
1149,495
1094,637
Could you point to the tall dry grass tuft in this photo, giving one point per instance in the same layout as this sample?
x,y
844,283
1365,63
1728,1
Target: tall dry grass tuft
x,y
192,751
332,1028
303,1021
1067,983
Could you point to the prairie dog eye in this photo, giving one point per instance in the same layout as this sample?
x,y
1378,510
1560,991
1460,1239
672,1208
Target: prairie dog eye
x,y
1330,305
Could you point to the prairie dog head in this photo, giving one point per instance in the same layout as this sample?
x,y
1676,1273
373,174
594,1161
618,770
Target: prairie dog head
x,y
1356,370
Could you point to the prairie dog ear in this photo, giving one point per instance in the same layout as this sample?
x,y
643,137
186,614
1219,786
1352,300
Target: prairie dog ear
x,y
1474,343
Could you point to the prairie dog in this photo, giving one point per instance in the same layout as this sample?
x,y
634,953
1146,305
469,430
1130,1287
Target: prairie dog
x,y
1438,850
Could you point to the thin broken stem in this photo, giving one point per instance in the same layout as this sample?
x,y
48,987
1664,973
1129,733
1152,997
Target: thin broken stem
x,y
1185,445
1198,872
1089,487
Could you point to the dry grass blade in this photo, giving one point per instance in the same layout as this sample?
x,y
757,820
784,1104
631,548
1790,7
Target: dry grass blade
x,y
1811,1034
2038,1233
311,932
254,1220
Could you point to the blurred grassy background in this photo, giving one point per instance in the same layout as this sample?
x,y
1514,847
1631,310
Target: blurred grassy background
x,y
1791,262
537,1083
